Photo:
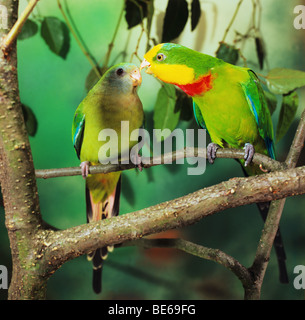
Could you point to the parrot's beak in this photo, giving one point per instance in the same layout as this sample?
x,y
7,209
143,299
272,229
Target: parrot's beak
x,y
145,64
136,77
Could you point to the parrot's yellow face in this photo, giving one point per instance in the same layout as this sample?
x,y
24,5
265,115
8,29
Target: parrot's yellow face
x,y
159,62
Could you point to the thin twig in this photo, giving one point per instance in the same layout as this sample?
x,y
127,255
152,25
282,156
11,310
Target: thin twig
x,y
83,49
200,251
111,44
135,53
13,33
232,20
297,144
254,14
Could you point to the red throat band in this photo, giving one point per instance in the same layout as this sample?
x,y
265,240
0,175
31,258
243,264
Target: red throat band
x,y
202,85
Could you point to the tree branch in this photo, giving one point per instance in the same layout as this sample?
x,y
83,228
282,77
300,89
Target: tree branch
x,y
265,162
264,247
297,144
215,255
17,175
13,34
60,246
273,219
111,44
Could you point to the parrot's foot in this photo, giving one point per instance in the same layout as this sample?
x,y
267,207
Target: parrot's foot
x,y
85,168
211,152
137,161
249,153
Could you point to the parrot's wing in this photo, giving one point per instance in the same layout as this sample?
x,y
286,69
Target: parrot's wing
x,y
258,105
78,130
198,116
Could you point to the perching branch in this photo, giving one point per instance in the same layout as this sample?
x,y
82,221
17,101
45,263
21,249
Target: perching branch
x,y
58,247
265,162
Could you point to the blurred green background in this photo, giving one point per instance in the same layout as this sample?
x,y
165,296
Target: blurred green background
x,y
53,87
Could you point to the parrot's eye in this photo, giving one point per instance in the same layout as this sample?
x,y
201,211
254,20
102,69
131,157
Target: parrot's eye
x,y
161,57
120,71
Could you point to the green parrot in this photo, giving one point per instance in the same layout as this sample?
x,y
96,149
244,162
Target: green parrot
x,y
111,102
228,101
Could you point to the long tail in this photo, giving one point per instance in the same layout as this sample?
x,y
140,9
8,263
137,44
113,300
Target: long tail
x,y
97,211
277,244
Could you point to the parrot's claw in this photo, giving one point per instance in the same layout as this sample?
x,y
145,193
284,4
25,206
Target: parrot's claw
x,y
211,152
85,168
249,153
137,161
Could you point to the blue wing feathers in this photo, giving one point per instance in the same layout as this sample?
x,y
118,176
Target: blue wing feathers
x,y
254,94
270,147
198,116
253,108
79,133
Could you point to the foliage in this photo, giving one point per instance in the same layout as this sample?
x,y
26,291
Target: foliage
x,y
30,120
172,104
135,12
29,29
288,110
279,81
165,115
56,35
54,32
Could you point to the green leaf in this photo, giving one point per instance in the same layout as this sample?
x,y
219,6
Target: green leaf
x,y
288,110
150,15
28,30
30,120
165,114
1,197
133,13
227,53
56,35
260,51
175,19
283,81
127,190
185,104
195,13
271,101
92,78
